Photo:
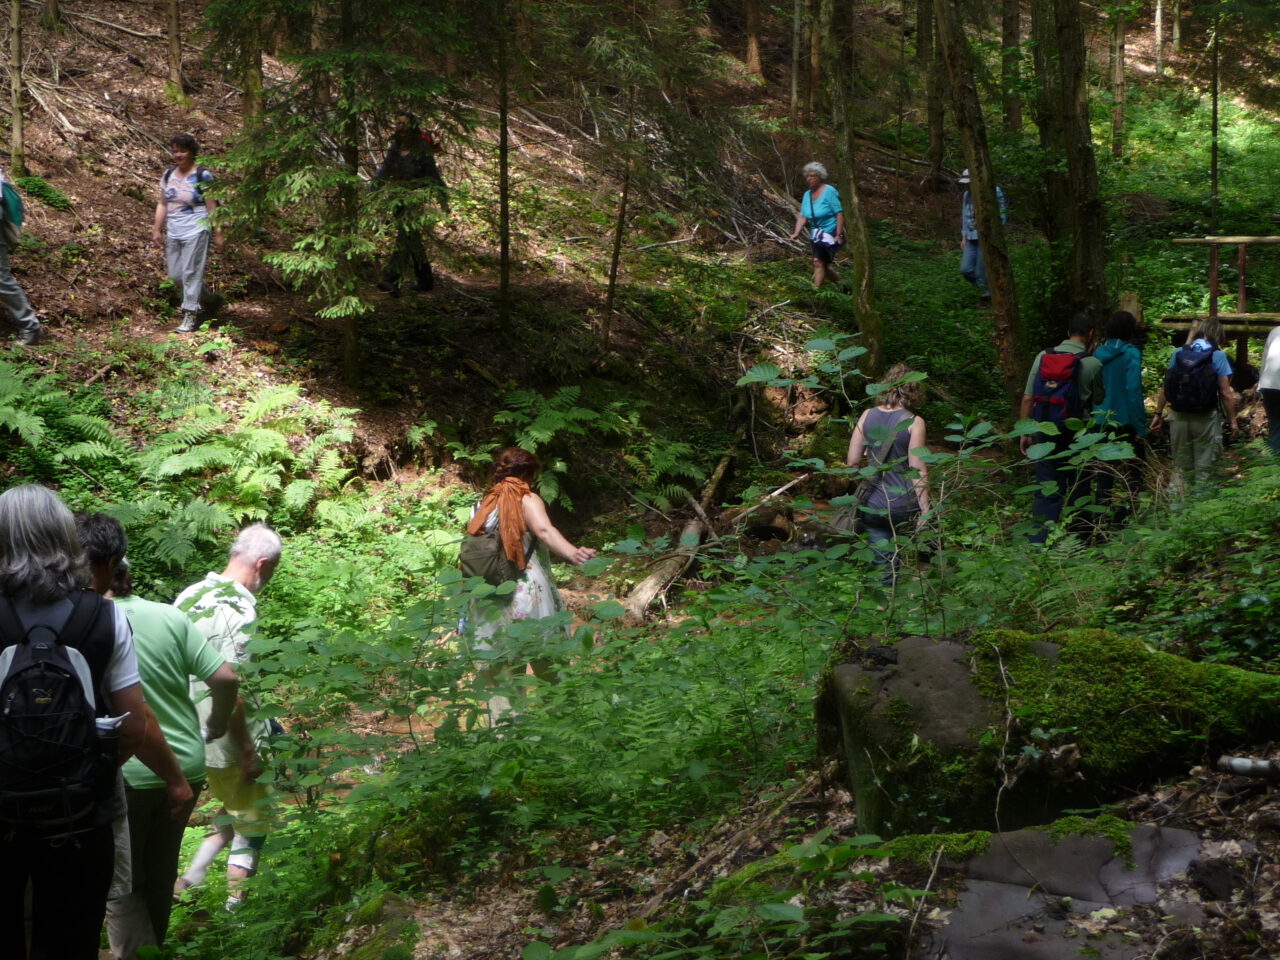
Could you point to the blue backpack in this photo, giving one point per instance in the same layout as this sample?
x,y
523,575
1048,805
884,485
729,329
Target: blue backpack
x,y
1055,396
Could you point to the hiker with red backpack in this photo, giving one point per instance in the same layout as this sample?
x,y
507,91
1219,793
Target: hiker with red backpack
x,y
1063,387
1198,378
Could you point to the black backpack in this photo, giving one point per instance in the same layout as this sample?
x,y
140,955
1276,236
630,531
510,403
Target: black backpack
x,y
55,769
1191,384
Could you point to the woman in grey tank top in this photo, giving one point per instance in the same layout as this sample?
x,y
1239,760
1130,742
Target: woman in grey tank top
x,y
900,488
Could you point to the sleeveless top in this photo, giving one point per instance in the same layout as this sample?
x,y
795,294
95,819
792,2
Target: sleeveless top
x,y
894,490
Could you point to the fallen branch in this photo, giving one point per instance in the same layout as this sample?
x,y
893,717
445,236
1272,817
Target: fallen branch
x,y
770,496
670,568
669,243
727,852
107,23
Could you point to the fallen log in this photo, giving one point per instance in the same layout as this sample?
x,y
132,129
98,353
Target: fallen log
x,y
671,567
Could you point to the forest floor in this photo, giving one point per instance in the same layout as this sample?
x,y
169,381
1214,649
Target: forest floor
x,y
498,916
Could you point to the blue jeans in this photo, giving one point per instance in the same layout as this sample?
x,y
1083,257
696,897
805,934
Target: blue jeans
x,y
882,530
1061,484
972,267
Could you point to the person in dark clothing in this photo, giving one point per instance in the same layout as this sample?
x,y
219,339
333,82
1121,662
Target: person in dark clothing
x,y
411,161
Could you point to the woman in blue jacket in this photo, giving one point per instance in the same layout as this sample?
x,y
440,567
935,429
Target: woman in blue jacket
x,y
1122,412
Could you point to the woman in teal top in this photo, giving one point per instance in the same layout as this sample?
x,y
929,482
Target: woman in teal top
x,y
1122,413
820,208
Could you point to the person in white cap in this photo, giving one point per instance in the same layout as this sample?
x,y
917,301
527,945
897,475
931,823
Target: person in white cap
x,y
972,266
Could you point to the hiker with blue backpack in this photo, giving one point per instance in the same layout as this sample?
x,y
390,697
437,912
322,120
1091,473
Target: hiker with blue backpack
x,y
73,709
1063,387
1196,385
183,231
30,330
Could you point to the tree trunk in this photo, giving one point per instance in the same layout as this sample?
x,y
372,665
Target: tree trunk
x,y
1118,32
251,80
973,140
52,14
797,38
837,34
924,33
1088,241
1213,133
348,200
1158,30
17,137
936,109
751,8
1055,214
815,59
1010,64
504,170
173,20
1176,26
620,224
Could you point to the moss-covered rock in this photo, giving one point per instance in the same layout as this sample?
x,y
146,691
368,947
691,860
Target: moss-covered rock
x,y
934,731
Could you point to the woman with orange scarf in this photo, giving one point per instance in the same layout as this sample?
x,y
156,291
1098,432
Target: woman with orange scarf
x,y
521,518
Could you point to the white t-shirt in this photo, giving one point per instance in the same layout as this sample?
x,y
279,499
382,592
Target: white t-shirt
x,y
224,611
1269,378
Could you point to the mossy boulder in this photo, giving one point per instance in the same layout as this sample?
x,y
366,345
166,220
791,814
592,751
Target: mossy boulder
x,y
933,731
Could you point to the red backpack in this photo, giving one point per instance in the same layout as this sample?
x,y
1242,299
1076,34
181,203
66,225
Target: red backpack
x,y
1055,396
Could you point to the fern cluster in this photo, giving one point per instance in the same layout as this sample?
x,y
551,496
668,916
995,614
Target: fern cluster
x,y
45,192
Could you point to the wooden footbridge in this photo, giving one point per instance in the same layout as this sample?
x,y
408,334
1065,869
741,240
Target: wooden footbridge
x,y
1239,325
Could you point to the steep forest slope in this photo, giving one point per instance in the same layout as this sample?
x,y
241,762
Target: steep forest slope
x,y
645,802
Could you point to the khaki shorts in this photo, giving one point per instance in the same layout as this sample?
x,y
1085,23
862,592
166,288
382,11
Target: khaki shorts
x,y
248,803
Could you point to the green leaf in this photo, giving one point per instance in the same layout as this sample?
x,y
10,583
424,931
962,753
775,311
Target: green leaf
x,y
760,373
784,912
609,610
1038,451
536,951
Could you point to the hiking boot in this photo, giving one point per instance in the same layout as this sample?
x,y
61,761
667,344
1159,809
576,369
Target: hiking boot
x,y
386,286
31,336
190,323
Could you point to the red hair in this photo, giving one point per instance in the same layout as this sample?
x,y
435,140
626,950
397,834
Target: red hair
x,y
515,462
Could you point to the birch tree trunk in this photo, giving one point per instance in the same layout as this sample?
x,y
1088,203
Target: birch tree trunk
x,y
839,70
977,154
17,136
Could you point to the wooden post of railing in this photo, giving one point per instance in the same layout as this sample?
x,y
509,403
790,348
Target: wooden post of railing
x,y
1213,279
1242,341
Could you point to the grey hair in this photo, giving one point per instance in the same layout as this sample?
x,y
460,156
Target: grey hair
x,y
40,553
257,542
817,168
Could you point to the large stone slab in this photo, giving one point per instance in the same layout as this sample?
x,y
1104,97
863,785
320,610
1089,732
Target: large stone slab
x,y
1032,896
940,733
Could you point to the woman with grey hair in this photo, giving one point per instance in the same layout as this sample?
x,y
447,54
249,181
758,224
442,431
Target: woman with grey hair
x,y
820,208
59,841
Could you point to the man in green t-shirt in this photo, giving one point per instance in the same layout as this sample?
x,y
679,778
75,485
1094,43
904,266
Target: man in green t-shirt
x,y
170,652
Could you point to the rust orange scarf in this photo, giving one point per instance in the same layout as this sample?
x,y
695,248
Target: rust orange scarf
x,y
504,496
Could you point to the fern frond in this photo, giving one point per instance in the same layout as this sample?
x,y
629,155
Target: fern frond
x,y
268,401
29,427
